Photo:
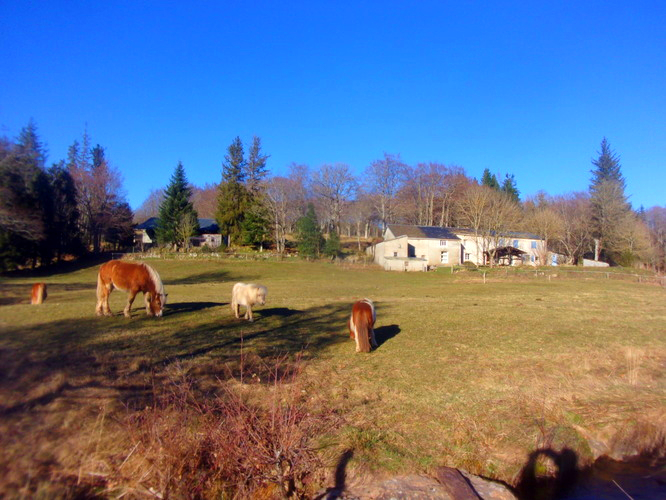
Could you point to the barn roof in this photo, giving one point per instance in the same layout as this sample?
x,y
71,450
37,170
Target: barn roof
x,y
430,232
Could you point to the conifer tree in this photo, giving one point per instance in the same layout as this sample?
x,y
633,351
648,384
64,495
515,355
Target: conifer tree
x,y
607,168
608,201
256,168
490,180
309,235
332,245
510,189
232,198
64,231
254,228
177,217
30,146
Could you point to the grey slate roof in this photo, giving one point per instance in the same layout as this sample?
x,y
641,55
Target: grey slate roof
x,y
508,234
206,226
432,232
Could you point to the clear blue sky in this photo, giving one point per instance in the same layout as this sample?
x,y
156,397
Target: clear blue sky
x,y
527,88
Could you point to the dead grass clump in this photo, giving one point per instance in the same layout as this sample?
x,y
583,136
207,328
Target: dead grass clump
x,y
225,447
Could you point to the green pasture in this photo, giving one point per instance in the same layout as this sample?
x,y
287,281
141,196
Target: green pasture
x,y
467,374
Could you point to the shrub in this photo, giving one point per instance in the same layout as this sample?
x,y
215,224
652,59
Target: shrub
x,y
228,446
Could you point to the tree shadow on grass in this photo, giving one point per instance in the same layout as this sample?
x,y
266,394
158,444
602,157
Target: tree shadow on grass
x,y
70,358
385,333
217,276
283,331
283,312
71,266
185,307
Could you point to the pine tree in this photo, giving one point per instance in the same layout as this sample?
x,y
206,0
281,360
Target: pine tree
x,y
332,245
489,180
25,202
607,168
30,146
510,189
254,228
255,168
177,217
309,236
232,198
608,201
64,232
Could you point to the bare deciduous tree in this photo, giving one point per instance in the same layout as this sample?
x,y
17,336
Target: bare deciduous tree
x,y
548,224
150,206
473,208
204,200
384,178
334,185
576,237
502,217
655,218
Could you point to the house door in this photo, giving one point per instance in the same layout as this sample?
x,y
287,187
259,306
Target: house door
x,y
411,251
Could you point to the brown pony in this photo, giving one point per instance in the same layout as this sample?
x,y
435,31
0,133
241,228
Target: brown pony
x,y
361,325
131,278
38,294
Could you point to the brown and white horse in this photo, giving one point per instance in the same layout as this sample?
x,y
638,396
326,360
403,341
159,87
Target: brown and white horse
x,y
131,278
361,324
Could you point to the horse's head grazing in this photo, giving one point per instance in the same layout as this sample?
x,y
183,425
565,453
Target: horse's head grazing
x,y
157,303
158,298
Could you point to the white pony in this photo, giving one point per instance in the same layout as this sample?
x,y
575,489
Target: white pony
x,y
247,294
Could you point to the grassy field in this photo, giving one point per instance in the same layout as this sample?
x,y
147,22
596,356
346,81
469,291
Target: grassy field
x,y
467,374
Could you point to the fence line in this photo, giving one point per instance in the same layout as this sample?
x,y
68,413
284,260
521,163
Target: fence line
x,y
556,272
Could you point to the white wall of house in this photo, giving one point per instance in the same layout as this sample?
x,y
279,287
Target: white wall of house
x,y
404,264
472,248
432,252
436,252
448,252
389,248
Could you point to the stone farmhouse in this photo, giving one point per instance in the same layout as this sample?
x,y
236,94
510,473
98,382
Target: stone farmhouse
x,y
419,248
209,234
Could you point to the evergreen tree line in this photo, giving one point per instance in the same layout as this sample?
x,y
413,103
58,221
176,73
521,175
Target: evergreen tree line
x,y
51,213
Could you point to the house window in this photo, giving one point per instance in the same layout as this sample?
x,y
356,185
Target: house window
x,y
501,242
534,244
468,256
444,258
442,243
515,244
532,258
395,254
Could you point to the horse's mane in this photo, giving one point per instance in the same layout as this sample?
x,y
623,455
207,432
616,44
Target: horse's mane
x,y
157,281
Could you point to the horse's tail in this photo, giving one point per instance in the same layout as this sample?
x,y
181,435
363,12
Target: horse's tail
x,y
361,323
